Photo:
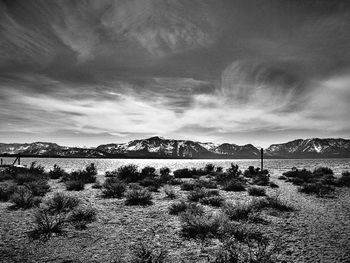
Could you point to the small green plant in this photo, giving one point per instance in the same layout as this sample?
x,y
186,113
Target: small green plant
x,y
81,217
256,191
61,203
113,187
177,208
138,197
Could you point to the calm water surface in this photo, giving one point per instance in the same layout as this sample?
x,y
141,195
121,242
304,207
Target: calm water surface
x,y
275,166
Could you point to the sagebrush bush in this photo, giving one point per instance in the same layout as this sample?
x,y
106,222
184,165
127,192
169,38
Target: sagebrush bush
x,y
144,253
209,168
113,187
315,188
24,198
113,173
82,216
129,173
344,180
153,184
57,172
138,197
169,192
189,186
183,173
210,184
75,185
273,185
320,171
61,203
175,181
6,190
238,211
198,193
234,185
216,201
200,225
182,206
148,171
165,175
256,191
38,187
261,179
97,185
276,203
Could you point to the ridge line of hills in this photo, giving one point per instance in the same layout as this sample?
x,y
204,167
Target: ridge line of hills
x,y
157,147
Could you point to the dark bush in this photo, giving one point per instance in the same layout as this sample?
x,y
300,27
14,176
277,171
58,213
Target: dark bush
x,y
148,172
320,171
143,253
189,186
234,185
210,184
200,225
239,211
276,203
169,192
24,198
138,197
183,173
113,173
129,173
86,176
282,177
97,185
6,190
209,168
198,193
219,169
216,201
61,203
38,187
36,169
113,187
261,179
57,172
234,171
316,188
175,181
81,217
344,180
273,185
256,191
152,184
75,185
6,174
165,175
177,208
304,175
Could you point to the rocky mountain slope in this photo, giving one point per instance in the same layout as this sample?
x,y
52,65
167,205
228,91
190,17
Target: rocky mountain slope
x,y
156,147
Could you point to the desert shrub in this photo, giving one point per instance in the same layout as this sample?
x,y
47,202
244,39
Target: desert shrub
x,y
165,175
24,198
210,184
144,253
178,207
138,197
239,211
276,203
57,172
86,176
75,185
36,169
6,190
216,201
189,186
273,185
169,192
261,179
61,203
129,173
198,193
113,173
304,175
148,171
152,184
81,217
97,185
282,177
5,175
233,171
38,187
344,180
234,185
200,225
315,188
328,179
209,168
219,169
256,191
183,173
175,181
320,171
113,187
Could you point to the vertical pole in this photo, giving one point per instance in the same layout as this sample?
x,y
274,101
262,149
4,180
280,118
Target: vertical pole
x,y
19,159
262,158
1,161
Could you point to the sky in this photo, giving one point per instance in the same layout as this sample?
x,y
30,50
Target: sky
x,y
86,72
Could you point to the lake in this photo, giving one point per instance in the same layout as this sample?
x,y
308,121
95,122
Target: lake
x,y
275,166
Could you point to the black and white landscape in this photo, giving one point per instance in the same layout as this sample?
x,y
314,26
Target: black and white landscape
x,y
174,131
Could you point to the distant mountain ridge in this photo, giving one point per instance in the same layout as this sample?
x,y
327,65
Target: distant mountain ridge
x,y
157,147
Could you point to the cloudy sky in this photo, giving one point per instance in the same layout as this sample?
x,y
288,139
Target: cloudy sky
x,y
88,72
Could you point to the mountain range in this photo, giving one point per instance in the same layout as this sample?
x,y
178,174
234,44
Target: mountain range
x,y
156,147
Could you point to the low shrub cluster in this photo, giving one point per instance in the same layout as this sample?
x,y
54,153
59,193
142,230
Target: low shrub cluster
x,y
216,201
57,172
57,213
182,206
344,180
170,192
76,180
24,198
199,193
138,196
256,191
113,187
235,185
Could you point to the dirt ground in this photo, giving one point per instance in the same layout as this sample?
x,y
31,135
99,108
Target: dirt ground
x,y
318,231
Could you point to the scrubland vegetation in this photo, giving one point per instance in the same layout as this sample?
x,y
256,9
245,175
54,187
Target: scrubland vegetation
x,y
198,198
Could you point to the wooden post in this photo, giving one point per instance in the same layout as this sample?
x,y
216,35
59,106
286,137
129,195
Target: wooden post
x,y
1,162
262,158
19,159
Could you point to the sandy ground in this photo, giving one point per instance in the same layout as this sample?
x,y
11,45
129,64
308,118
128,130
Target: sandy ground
x,y
318,231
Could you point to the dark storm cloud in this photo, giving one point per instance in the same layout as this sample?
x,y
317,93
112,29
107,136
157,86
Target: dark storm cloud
x,y
216,69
